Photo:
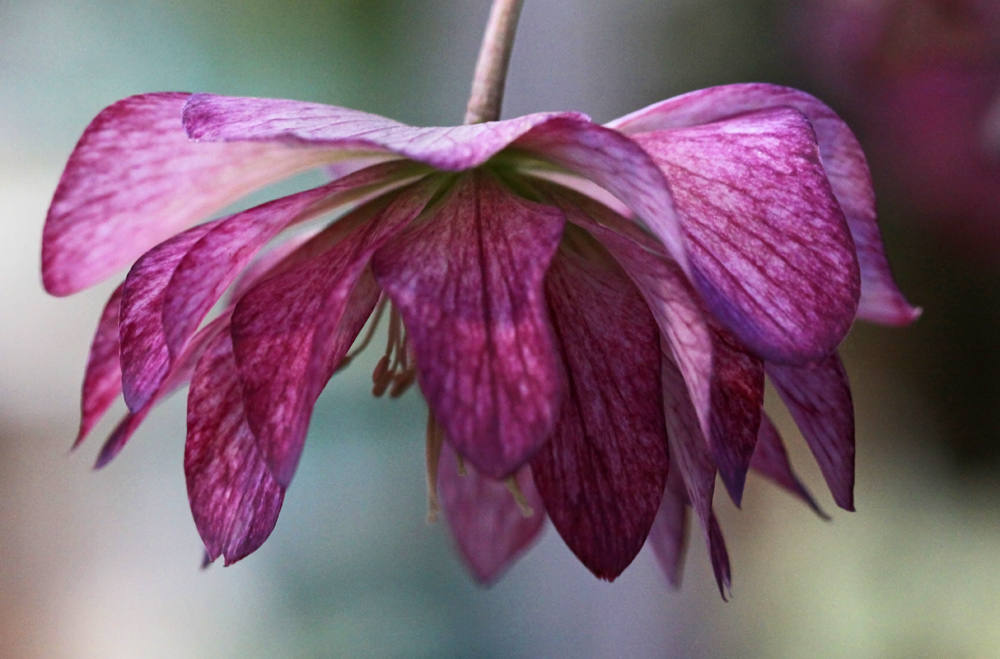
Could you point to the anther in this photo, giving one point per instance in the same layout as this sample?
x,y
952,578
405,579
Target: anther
x,y
519,498
401,382
381,377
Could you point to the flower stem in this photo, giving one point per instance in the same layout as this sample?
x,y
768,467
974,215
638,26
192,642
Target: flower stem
x,y
491,67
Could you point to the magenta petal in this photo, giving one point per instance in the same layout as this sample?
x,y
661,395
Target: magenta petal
x,y
690,456
145,358
602,473
669,534
468,283
102,382
489,528
234,499
769,246
819,397
135,179
617,164
292,330
737,401
230,119
844,162
771,460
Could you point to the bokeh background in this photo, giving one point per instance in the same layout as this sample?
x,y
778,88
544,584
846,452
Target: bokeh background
x,y
106,564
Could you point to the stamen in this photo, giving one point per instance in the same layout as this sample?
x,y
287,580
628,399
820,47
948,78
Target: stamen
x,y
435,437
519,498
372,326
381,377
402,382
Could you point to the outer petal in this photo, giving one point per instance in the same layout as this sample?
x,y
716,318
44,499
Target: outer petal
x,y
769,247
135,179
234,499
102,383
292,330
843,159
669,534
489,528
690,455
602,473
771,460
468,283
211,118
819,397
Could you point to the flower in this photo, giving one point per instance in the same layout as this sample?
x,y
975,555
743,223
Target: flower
x,y
588,310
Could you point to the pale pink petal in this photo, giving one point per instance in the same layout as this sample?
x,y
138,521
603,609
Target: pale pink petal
x,y
819,397
211,118
603,471
468,283
490,530
135,179
770,249
845,164
102,382
292,330
771,459
234,500
617,164
669,534
690,455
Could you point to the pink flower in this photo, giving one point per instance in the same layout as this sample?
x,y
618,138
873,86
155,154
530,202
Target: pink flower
x,y
582,306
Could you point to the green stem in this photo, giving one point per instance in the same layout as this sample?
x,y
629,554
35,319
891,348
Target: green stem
x,y
491,67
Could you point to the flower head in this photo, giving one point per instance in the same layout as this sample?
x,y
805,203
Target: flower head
x,y
589,311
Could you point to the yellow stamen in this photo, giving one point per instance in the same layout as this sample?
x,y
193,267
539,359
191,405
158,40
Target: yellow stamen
x,y
519,498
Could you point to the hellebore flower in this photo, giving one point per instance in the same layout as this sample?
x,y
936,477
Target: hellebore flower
x,y
589,311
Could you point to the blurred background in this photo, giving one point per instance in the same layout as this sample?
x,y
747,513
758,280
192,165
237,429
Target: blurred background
x,y
107,564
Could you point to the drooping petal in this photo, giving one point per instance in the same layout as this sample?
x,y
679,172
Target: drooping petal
x,y
615,163
669,534
135,179
489,527
771,459
692,458
211,118
102,382
468,283
234,499
844,161
212,263
292,330
818,396
602,473
770,249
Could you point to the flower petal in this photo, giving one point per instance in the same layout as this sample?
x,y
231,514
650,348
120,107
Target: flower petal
x,y
234,499
490,530
690,455
819,397
602,473
771,460
844,161
468,283
292,330
669,534
617,164
770,250
135,179
102,382
211,118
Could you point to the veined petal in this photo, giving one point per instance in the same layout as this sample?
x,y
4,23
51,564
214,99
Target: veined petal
x,y
617,164
669,534
690,455
844,161
467,280
771,459
102,382
819,397
770,249
135,179
211,118
212,263
234,499
292,330
602,473
489,527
